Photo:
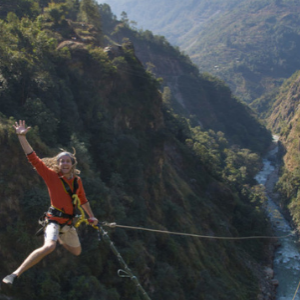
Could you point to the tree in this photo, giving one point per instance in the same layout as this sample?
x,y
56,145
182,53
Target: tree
x,y
29,8
90,13
167,96
56,12
124,18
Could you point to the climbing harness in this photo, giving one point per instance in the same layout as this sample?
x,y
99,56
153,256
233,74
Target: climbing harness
x,y
55,212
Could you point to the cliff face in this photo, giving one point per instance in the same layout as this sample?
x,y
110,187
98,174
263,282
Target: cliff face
x,y
285,116
201,97
285,107
252,45
284,121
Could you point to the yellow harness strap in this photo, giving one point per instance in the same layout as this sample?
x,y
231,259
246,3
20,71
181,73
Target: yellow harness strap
x,y
82,218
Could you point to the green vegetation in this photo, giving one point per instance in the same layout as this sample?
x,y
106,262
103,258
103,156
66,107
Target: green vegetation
x,y
251,45
143,162
203,98
256,51
285,122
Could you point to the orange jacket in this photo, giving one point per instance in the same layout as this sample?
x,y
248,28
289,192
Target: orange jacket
x,y
59,198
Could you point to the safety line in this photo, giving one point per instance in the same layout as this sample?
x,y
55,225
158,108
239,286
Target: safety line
x,y
113,225
296,291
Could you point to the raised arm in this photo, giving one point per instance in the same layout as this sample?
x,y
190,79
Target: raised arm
x,y
21,131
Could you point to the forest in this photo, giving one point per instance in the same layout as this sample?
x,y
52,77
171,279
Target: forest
x,y
73,72
251,45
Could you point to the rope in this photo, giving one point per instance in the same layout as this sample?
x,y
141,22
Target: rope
x,y
113,225
296,291
128,274
83,219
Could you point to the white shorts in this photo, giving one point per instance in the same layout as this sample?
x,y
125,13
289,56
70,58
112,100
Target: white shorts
x,y
67,234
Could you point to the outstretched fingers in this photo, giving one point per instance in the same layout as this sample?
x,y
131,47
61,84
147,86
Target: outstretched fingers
x,y
21,127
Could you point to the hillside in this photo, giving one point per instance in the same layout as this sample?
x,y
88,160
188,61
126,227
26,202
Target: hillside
x,y
285,122
142,163
176,20
251,45
204,99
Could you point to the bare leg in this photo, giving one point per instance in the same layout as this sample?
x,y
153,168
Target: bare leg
x,y
35,257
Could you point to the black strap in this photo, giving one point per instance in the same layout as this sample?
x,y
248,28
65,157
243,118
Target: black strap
x,y
57,213
67,187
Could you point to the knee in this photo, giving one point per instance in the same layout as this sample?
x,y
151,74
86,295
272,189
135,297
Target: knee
x,y
77,251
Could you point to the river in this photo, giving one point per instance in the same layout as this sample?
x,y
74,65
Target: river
x,y
286,263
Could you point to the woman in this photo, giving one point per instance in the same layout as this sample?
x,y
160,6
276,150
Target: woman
x,y
59,174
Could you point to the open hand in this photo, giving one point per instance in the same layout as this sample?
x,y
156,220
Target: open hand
x,y
21,128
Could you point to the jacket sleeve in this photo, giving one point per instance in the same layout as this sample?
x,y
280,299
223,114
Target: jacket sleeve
x,y
39,165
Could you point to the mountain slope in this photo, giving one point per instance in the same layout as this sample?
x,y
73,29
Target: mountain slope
x,y
251,45
285,122
175,20
200,97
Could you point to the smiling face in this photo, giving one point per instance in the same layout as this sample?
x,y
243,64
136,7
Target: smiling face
x,y
65,165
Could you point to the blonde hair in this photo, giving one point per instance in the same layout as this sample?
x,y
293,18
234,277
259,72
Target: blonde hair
x,y
53,162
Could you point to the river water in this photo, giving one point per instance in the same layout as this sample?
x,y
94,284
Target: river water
x,y
286,261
